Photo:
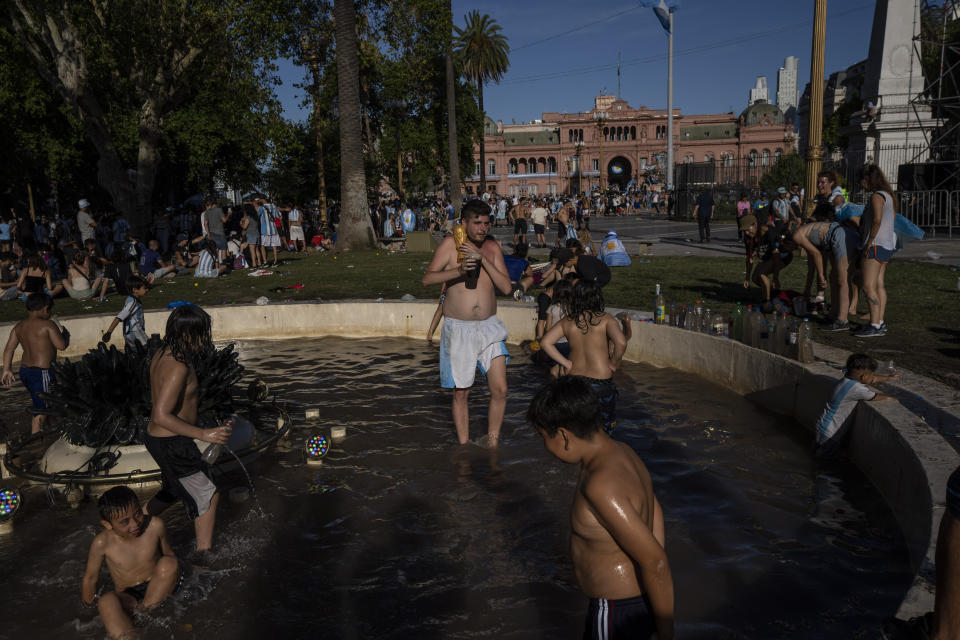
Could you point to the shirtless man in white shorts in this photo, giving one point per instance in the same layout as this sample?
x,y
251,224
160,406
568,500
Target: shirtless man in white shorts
x,y
472,334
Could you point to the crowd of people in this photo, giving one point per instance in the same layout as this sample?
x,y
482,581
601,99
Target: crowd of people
x,y
91,255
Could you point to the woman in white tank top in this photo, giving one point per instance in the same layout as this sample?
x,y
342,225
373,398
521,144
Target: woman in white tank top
x,y
879,244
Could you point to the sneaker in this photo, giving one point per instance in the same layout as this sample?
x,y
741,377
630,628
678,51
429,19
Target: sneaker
x,y
883,328
867,331
836,325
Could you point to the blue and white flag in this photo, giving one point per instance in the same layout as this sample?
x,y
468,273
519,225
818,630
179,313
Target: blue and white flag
x,y
663,15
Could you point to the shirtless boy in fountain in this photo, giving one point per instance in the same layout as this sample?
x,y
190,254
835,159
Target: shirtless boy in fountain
x,y
41,338
143,566
472,335
617,539
172,427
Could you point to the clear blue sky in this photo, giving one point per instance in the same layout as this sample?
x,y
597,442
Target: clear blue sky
x,y
720,47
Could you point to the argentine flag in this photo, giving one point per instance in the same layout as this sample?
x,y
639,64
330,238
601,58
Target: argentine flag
x,y
663,14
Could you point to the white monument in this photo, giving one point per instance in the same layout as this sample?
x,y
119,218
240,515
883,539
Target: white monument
x,y
892,117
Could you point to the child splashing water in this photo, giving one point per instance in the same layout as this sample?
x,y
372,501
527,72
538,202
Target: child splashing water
x,y
590,330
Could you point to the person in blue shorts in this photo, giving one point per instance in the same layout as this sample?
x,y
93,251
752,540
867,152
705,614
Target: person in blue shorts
x,y
40,338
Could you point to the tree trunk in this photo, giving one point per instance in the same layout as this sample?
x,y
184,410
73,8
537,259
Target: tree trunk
x,y
483,152
355,230
148,160
455,196
318,128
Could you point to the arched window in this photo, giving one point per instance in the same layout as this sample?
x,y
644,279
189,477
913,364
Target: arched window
x,y
476,168
551,165
765,158
532,165
491,167
777,154
512,166
541,165
753,157
606,133
633,133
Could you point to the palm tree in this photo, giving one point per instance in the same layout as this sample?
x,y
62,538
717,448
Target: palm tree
x,y
452,149
355,230
485,56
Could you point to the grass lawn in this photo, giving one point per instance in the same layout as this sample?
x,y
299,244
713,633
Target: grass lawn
x,y
923,310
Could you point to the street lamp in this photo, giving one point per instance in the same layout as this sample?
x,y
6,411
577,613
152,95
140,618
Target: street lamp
x,y
600,119
578,145
569,162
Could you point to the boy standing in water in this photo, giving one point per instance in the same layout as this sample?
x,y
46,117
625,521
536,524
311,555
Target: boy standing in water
x,y
596,342
172,427
617,539
143,566
131,315
40,338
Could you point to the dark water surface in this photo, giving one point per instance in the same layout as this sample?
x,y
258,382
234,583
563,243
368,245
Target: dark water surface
x,y
401,535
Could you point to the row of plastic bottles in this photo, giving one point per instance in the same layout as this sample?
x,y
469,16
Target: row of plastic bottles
x,y
779,333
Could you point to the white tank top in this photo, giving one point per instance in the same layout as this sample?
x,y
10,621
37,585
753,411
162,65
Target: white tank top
x,y
886,237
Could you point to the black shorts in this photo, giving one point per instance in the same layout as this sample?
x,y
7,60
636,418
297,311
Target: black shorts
x,y
953,494
520,227
186,477
625,618
139,591
538,229
607,393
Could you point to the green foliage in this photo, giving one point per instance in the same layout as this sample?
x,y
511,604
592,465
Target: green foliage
x,y
937,29
784,172
482,49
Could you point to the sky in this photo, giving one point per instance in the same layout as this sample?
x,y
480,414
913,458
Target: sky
x,y
564,52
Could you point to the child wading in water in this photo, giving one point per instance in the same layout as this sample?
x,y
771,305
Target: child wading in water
x,y
143,566
40,338
833,425
617,537
596,342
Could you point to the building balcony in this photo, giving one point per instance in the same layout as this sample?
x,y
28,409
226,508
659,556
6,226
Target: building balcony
x,y
490,176
552,174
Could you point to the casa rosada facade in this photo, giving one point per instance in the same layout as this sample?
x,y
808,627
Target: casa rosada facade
x,y
564,152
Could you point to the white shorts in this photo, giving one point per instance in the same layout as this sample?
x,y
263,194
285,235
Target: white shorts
x,y
270,241
296,233
466,345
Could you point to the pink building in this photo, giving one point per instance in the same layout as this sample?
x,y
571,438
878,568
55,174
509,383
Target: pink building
x,y
564,152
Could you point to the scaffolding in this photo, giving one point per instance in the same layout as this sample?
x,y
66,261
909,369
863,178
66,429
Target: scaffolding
x,y
939,149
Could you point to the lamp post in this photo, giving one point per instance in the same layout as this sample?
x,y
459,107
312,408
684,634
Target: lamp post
x,y
578,145
815,139
569,162
600,119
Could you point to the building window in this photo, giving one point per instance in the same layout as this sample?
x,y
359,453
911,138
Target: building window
x,y
512,166
533,189
551,165
706,134
596,164
753,158
532,165
777,154
491,167
476,168
633,133
765,158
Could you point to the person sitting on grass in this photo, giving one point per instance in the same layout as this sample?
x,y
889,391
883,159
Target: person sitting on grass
x,y
36,278
8,275
617,540
142,564
832,426
131,315
80,283
152,266
208,263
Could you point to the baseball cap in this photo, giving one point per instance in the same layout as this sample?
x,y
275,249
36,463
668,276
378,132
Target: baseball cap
x,y
83,204
781,190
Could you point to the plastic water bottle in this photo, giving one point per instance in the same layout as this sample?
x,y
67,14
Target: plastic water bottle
x,y
805,342
706,322
719,324
212,453
682,317
660,306
672,319
764,339
774,325
738,323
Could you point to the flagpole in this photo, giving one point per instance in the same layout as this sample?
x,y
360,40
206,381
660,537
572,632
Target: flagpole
x,y
670,105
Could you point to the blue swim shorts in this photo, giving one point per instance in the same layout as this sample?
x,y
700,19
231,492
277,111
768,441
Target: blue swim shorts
x,y
36,380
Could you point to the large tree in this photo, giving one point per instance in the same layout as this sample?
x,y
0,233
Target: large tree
x,y
484,56
355,230
127,67
453,166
